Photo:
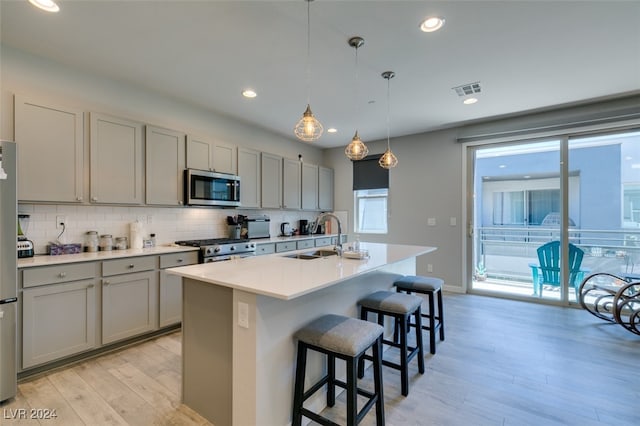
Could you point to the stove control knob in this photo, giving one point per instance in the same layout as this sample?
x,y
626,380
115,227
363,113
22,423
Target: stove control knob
x,y
208,251
217,249
232,248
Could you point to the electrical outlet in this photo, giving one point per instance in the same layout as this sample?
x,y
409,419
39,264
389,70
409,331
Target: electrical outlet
x,y
429,268
149,219
431,221
61,221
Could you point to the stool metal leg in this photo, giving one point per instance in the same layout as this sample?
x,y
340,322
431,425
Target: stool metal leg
x,y
440,315
377,381
404,370
432,324
331,377
418,319
298,393
352,393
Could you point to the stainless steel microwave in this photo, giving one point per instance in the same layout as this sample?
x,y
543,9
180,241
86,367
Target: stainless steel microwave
x,y
202,188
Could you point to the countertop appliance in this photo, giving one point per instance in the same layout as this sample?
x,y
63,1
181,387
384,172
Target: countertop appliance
x,y
304,227
25,245
202,188
257,227
285,229
8,270
217,249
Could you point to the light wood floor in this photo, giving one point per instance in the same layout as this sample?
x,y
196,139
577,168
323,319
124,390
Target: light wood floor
x,y
502,363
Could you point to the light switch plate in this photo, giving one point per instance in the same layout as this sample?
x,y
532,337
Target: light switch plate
x,y
243,315
431,221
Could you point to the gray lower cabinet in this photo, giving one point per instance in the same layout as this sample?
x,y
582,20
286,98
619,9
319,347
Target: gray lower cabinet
x,y
129,305
58,320
170,307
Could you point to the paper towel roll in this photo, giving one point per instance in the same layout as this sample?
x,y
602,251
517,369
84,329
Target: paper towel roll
x,y
136,233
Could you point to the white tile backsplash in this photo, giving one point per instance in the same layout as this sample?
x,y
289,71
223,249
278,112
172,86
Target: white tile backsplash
x,y
168,223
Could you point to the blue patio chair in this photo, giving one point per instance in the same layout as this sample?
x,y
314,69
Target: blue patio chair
x,y
547,272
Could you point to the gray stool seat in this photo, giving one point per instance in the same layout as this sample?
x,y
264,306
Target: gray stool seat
x,y
419,283
347,339
389,301
400,307
343,335
432,288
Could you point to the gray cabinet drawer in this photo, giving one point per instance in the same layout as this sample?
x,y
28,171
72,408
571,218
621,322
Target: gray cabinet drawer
x,y
305,244
129,265
325,241
178,259
286,246
32,277
265,248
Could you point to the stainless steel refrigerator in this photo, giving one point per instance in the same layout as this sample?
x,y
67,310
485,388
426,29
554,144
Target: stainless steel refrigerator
x,y
8,270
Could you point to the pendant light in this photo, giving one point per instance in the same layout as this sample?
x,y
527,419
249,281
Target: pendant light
x,y
356,150
308,127
388,160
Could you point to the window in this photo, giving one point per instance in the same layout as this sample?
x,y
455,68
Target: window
x,y
371,211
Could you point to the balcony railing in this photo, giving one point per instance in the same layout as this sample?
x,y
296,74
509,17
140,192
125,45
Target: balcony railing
x,y
505,252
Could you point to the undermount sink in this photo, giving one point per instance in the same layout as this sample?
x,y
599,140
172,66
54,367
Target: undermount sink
x,y
322,253
309,255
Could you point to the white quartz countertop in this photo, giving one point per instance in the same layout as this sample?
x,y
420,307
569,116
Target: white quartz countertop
x,y
282,277
46,260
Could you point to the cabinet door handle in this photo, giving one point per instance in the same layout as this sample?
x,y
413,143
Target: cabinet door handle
x,y
179,203
94,198
78,198
90,286
131,266
106,282
62,274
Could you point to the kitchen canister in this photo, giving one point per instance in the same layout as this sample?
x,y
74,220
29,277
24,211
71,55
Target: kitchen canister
x,y
106,242
122,243
136,233
91,241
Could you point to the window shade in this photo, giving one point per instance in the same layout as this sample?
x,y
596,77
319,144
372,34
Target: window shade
x,y
367,174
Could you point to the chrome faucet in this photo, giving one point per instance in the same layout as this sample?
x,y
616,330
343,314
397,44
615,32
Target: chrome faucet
x,y
321,219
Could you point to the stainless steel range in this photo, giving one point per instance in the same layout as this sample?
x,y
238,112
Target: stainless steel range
x,y
216,249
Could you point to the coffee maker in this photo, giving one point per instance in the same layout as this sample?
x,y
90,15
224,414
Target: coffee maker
x,y
24,245
304,227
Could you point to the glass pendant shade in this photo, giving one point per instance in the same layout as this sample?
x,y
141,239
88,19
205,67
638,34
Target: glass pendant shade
x,y
356,150
308,128
388,160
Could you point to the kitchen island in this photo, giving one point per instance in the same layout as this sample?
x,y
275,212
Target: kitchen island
x,y
239,317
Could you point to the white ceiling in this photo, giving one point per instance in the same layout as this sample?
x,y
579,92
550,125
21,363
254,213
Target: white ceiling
x,y
528,55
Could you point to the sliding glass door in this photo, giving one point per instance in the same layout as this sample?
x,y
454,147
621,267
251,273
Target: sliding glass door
x,y
536,203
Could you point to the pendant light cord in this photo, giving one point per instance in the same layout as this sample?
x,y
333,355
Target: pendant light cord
x,y
388,112
309,51
357,91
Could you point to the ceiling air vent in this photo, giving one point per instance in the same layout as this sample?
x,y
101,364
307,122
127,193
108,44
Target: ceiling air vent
x,y
468,89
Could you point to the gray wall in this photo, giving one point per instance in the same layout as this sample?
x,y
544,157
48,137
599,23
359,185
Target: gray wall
x,y
427,183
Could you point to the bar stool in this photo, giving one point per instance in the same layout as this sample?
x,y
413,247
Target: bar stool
x,y
429,286
345,338
400,307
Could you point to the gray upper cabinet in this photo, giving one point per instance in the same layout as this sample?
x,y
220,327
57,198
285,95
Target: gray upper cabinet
x,y
116,160
271,172
206,154
309,187
165,161
50,140
325,188
249,172
291,184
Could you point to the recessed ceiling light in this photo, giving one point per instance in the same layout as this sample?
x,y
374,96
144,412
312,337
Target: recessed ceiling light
x,y
502,166
431,24
470,101
332,130
249,93
48,5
